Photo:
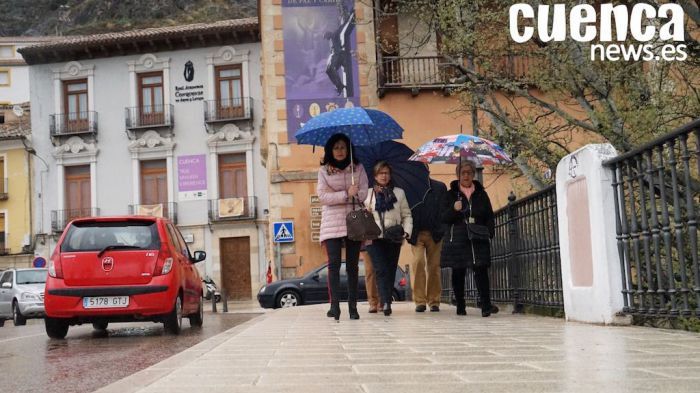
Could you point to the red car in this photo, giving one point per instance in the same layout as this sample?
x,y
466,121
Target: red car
x,y
122,269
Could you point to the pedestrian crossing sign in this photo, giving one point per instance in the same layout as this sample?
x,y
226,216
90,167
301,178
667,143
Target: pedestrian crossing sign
x,y
283,231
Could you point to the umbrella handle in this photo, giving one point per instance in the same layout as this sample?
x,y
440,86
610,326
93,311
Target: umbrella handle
x,y
352,167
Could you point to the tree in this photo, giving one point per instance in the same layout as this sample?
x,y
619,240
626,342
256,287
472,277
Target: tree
x,y
538,96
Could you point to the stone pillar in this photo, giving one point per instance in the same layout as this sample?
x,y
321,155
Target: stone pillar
x,y
590,263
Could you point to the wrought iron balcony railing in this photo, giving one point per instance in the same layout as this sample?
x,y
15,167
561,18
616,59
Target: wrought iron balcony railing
x,y
227,209
165,209
61,218
149,116
66,124
240,108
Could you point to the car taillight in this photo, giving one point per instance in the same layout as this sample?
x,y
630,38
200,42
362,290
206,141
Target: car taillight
x,y
402,282
55,268
165,262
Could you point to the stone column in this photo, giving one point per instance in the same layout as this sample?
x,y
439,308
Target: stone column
x,y
590,263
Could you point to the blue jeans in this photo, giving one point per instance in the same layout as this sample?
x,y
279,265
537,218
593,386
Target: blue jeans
x,y
385,258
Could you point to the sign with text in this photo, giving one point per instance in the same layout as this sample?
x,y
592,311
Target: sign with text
x,y
192,177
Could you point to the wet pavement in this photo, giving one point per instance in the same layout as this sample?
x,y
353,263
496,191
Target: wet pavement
x,y
88,359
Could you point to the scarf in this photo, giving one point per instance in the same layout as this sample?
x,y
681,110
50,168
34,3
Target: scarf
x,y
467,191
385,200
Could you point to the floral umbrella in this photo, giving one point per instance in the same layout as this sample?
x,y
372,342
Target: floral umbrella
x,y
451,149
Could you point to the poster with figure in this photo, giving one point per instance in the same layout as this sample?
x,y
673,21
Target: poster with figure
x,y
320,58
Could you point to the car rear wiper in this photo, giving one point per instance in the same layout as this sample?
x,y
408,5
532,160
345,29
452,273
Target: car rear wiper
x,y
117,246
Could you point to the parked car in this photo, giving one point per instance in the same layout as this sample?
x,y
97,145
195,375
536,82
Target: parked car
x,y
313,288
122,269
21,295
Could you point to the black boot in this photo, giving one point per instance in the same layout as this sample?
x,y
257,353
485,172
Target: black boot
x,y
352,307
461,307
387,309
334,311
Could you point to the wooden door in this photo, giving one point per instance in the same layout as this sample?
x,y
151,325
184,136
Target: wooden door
x,y
151,108
235,267
78,198
75,94
154,184
229,91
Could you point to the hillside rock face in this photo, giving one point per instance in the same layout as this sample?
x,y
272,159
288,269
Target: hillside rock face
x,y
69,17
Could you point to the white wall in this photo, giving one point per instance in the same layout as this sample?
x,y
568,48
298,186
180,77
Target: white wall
x,y
114,180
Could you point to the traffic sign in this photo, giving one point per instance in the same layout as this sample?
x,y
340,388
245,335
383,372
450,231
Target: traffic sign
x,y
39,262
283,231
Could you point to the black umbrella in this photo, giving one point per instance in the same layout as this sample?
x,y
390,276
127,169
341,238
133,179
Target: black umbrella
x,y
411,176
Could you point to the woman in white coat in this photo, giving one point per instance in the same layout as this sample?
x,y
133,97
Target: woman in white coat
x,y
390,208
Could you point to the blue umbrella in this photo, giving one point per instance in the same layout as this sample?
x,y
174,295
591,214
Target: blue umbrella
x,y
363,126
411,176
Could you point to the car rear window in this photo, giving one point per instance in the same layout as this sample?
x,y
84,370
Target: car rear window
x,y
31,276
96,235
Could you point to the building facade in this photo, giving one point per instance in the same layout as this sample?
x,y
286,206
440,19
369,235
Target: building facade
x,y
164,122
408,82
15,164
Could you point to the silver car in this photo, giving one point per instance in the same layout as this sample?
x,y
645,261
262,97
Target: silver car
x,y
22,295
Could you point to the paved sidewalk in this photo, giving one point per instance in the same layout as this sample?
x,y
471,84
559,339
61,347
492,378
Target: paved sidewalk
x,y
300,350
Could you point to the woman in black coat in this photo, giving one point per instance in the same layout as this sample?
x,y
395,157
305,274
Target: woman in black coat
x,y
467,203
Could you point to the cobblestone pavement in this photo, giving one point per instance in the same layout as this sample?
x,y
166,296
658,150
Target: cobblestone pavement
x,y
300,350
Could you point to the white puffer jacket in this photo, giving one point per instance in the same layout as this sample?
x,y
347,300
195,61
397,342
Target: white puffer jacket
x,y
399,215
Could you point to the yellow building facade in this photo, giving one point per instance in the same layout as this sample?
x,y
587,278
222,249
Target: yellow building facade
x,y
15,193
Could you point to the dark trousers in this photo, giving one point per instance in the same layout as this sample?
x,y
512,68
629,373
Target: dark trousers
x,y
481,278
385,258
352,255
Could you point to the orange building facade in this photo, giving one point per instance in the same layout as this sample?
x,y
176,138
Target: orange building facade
x,y
407,83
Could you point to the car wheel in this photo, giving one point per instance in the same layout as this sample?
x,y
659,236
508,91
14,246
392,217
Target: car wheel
x,y
173,321
56,327
17,318
288,298
2,322
197,319
100,325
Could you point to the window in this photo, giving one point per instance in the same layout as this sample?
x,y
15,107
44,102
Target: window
x,y
75,98
233,181
2,233
154,188
5,77
93,236
31,276
151,106
7,277
3,179
7,51
77,193
229,91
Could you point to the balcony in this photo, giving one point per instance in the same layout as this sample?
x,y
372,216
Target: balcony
x,y
434,72
3,250
232,109
75,123
232,209
3,189
61,218
166,210
151,116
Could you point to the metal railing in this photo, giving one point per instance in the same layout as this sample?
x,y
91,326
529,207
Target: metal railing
x,y
657,204
149,116
61,218
240,108
3,250
437,72
3,189
73,123
227,209
165,209
525,261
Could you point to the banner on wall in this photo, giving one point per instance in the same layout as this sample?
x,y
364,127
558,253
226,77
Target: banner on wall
x,y
320,60
192,177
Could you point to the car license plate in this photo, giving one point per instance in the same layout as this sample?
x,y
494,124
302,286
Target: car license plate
x,y
106,302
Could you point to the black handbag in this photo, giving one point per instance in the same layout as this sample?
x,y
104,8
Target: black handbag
x,y
394,233
478,232
361,225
